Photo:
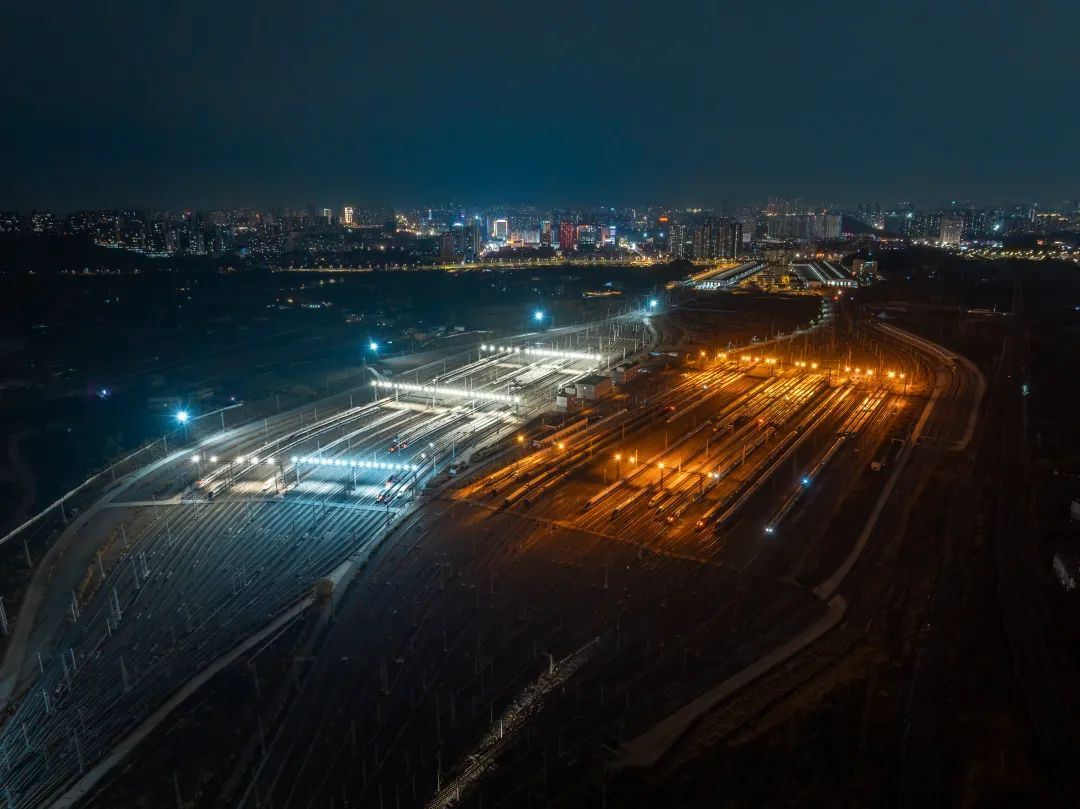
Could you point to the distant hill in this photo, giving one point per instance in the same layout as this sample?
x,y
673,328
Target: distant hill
x,y
23,253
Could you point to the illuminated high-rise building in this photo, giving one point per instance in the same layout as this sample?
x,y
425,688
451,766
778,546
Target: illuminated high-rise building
x,y
474,242
952,229
804,227
587,235
447,248
729,239
715,237
462,243
676,240
347,219
567,233
500,229
925,225
701,239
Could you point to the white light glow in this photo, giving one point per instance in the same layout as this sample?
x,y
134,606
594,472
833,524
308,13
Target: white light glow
x,y
438,390
348,464
547,353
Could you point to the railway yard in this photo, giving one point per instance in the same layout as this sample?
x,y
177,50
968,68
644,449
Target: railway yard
x,y
469,598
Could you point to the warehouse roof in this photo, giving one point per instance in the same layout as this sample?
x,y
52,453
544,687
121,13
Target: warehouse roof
x,y
594,379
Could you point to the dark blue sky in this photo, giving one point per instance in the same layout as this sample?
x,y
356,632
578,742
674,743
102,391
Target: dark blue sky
x,y
195,104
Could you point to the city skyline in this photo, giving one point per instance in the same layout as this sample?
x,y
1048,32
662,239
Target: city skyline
x,y
725,206
458,236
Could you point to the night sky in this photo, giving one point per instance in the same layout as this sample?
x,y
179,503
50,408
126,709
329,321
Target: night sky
x,y
197,104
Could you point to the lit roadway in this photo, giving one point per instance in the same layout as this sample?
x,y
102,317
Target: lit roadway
x,y
194,568
497,264
487,263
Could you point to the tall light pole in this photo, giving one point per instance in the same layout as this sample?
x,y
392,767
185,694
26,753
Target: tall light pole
x,y
270,462
183,417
